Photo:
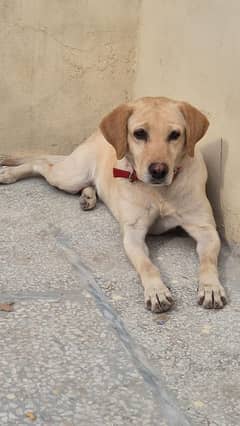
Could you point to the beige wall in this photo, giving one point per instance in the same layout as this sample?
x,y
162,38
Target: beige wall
x,y
63,64
190,50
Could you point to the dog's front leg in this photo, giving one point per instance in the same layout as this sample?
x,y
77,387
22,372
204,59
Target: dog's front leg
x,y
211,294
157,296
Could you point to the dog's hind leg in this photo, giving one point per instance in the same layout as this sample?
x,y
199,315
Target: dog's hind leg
x,y
17,168
59,171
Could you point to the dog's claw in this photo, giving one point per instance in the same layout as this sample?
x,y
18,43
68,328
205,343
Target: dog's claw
x,y
212,296
158,299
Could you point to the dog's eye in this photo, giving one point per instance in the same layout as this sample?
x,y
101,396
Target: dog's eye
x,y
140,134
174,135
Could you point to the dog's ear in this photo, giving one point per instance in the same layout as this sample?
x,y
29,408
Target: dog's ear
x,y
114,128
196,125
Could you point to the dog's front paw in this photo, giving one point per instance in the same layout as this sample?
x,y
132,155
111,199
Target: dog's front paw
x,y
158,298
211,296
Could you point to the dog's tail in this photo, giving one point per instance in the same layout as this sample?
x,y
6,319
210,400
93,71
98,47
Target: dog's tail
x,y
10,160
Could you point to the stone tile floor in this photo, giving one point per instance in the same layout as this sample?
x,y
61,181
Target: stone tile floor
x,y
79,347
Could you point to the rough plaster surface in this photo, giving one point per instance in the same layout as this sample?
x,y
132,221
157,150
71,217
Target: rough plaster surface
x,y
63,65
77,352
190,50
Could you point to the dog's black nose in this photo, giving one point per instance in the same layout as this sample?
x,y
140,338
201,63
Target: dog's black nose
x,y
158,170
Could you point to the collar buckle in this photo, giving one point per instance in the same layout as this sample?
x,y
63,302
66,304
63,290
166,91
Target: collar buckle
x,y
132,176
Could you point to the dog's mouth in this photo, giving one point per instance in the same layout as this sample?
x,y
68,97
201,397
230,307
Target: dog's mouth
x,y
155,182
166,181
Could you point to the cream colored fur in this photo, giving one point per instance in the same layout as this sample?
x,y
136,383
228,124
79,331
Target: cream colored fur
x,y
141,207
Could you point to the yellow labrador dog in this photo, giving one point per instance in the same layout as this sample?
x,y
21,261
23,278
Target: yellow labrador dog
x,y
142,165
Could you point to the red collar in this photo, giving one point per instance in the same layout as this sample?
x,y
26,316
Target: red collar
x,y
132,176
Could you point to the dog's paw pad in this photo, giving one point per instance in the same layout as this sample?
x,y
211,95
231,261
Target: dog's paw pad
x,y
88,199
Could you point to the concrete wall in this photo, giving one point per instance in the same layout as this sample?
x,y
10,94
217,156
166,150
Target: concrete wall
x,y
189,50
64,63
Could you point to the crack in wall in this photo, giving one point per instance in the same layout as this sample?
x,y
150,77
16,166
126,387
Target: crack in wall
x,y
45,32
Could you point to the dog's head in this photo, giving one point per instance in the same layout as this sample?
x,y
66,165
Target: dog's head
x,y
154,134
